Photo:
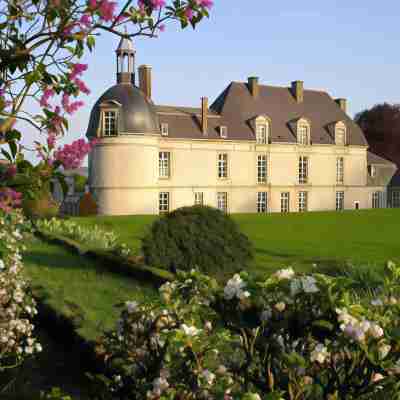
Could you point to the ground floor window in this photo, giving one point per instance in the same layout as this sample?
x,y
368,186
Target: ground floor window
x,y
163,202
339,201
222,201
303,201
262,199
285,197
376,200
396,199
198,199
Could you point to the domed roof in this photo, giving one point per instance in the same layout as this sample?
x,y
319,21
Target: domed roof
x,y
136,114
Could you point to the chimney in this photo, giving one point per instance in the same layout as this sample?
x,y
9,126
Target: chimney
x,y
145,80
204,111
298,91
252,83
342,103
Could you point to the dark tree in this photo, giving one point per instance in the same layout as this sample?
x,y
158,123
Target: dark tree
x,y
381,126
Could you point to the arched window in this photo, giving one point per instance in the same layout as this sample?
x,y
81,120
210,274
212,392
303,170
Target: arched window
x,y
262,130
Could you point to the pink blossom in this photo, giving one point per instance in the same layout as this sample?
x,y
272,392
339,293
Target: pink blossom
x,y
92,3
72,155
157,3
81,85
9,199
107,10
189,13
77,69
51,141
11,171
86,20
205,3
47,94
161,28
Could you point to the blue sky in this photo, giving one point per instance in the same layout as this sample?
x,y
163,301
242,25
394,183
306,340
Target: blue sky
x,y
349,49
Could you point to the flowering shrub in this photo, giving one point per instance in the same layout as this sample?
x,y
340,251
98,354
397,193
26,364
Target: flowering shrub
x,y
90,236
16,305
291,336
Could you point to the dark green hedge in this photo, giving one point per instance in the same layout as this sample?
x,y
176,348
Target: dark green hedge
x,y
197,237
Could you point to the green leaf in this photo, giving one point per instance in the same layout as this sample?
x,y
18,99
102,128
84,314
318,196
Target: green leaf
x,y
324,324
6,155
13,148
90,42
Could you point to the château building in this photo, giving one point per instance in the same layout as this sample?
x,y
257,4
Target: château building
x,y
256,148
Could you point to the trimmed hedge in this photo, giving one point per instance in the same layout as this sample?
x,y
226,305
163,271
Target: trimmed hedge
x,y
197,237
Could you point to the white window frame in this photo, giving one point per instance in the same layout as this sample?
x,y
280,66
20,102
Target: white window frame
x,y
106,131
262,132
303,201
303,169
303,133
395,199
164,164
340,129
372,171
164,129
198,198
262,168
222,201
222,165
163,202
340,170
340,201
223,131
285,202
262,202
377,199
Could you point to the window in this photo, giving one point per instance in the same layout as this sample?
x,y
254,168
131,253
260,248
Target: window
x,y
222,201
262,132
222,165
376,200
303,134
396,199
164,164
285,197
262,169
372,171
340,136
303,201
339,201
303,169
262,205
163,202
110,123
164,129
198,199
223,132
339,170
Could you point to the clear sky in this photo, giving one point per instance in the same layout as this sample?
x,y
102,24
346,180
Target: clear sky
x,y
350,49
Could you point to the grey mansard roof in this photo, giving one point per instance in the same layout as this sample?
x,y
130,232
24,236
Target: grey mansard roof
x,y
136,114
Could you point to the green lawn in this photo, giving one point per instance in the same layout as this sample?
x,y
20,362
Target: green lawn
x,y
299,240
75,285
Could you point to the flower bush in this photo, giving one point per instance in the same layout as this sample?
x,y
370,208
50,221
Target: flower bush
x,y
92,236
17,307
291,336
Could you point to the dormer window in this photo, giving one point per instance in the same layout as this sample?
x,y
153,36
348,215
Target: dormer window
x,y
109,123
303,133
164,129
262,133
372,171
223,132
340,135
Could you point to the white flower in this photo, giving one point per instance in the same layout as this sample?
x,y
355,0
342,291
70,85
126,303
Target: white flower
x,y
309,284
208,376
295,287
208,325
376,331
234,287
280,306
243,295
377,377
266,315
287,273
377,302
384,350
190,330
131,306
319,354
2,266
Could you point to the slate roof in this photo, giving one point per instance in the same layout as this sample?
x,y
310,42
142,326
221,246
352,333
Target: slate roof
x,y
235,107
376,160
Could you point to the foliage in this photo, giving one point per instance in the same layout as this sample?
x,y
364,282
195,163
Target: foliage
x,y
80,183
197,237
43,206
16,305
55,394
87,205
290,336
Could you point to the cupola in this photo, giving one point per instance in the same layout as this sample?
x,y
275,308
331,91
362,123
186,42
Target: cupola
x,y
125,61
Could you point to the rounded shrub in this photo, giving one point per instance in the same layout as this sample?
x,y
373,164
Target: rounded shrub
x,y
197,237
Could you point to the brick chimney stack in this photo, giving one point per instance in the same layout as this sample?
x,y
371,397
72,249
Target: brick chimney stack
x,y
298,91
204,115
342,103
252,83
145,80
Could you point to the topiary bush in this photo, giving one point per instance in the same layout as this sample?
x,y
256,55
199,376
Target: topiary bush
x,y
197,237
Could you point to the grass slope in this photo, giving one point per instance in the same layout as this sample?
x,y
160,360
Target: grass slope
x,y
75,286
365,236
